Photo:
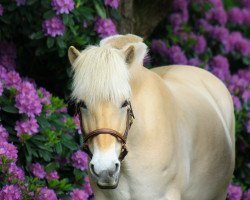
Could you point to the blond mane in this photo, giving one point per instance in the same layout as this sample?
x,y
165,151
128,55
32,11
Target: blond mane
x,y
100,74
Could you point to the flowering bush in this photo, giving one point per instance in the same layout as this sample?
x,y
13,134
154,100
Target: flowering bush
x,y
205,34
47,29
39,142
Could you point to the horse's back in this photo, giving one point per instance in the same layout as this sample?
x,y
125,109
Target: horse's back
x,y
205,108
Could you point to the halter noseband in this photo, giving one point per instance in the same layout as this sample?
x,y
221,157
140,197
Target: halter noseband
x,y
121,138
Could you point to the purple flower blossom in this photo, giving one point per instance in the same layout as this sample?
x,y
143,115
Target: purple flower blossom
x,y
3,73
63,6
159,47
234,192
217,14
29,127
200,45
1,88
220,67
1,10
215,3
45,96
176,56
46,194
8,150
246,16
78,194
105,27
237,103
180,5
112,3
219,33
20,2
243,46
10,192
246,195
3,134
176,21
27,100
37,170
233,39
80,160
204,25
13,79
52,175
246,95
54,26
77,123
16,172
87,186
235,16
245,3
194,62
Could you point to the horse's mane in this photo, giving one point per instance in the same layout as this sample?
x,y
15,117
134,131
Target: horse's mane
x,y
100,74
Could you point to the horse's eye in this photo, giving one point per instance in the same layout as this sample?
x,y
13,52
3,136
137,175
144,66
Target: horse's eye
x,y
125,103
82,104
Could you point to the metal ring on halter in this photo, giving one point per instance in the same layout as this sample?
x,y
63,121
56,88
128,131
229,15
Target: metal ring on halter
x,y
121,138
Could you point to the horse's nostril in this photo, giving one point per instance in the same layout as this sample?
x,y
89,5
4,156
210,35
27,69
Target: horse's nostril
x,y
92,168
117,165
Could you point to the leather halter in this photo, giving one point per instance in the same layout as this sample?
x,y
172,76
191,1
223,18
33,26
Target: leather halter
x,y
121,138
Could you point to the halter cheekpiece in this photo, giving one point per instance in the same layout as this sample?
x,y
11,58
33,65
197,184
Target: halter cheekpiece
x,y
121,138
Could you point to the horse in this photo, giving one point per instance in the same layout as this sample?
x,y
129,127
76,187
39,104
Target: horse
x,y
160,134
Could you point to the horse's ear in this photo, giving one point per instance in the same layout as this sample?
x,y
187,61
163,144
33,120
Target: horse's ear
x,y
73,53
134,53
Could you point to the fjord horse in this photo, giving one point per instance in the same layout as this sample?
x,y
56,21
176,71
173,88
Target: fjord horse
x,y
176,122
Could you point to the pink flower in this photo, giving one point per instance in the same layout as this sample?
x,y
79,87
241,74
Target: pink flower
x,y
63,6
37,170
105,27
3,134
10,192
235,16
87,186
52,175
27,100
77,123
112,3
78,194
13,79
234,192
8,150
80,160
16,172
54,26
46,194
29,127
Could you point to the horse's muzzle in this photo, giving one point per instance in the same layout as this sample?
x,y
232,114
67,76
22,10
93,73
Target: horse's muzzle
x,y
106,179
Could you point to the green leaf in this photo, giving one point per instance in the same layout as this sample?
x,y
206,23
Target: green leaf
x,y
100,9
10,109
69,144
59,148
37,35
51,166
65,18
48,14
50,42
53,183
60,43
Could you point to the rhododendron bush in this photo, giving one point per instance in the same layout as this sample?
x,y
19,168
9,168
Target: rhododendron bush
x,y
39,144
43,30
214,36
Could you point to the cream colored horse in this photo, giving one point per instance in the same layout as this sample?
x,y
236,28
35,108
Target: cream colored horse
x,y
181,144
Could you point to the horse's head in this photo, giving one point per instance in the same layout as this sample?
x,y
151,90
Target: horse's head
x,y
101,86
